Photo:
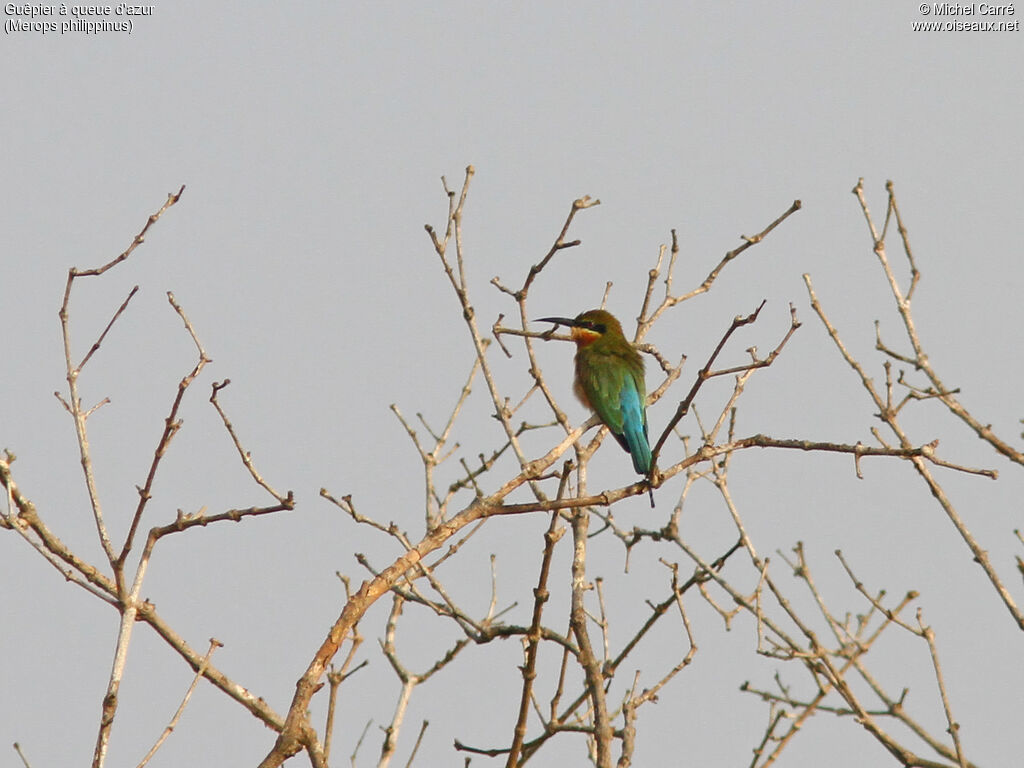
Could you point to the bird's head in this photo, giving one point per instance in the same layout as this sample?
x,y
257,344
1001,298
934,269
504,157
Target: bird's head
x,y
587,327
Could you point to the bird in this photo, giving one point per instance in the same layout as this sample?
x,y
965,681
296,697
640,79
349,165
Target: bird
x,y
610,381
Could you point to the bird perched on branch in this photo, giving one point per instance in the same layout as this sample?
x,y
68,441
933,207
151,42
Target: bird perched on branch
x,y
610,381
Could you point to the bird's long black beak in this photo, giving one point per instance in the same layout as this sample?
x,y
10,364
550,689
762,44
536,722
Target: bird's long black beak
x,y
571,322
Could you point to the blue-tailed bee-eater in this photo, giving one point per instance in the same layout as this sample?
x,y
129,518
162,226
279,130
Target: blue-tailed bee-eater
x,y
610,380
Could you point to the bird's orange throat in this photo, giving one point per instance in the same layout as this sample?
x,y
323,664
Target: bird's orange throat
x,y
584,336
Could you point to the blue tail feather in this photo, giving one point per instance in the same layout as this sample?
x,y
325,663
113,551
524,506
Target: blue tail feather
x,y
634,427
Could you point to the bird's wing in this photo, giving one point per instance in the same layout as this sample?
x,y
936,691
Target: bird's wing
x,y
603,384
617,398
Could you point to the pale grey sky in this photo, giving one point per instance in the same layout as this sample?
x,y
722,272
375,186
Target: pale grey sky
x,y
311,142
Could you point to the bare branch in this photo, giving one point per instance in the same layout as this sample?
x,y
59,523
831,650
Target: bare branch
x,y
96,344
171,426
74,403
287,501
670,301
529,669
24,760
214,644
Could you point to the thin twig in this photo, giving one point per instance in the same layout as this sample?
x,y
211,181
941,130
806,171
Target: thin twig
x,y
214,644
287,500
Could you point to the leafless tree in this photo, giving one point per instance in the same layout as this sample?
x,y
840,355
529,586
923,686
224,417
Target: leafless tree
x,y
584,691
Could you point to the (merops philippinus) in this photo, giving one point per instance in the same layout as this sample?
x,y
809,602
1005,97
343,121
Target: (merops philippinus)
x,y
610,381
